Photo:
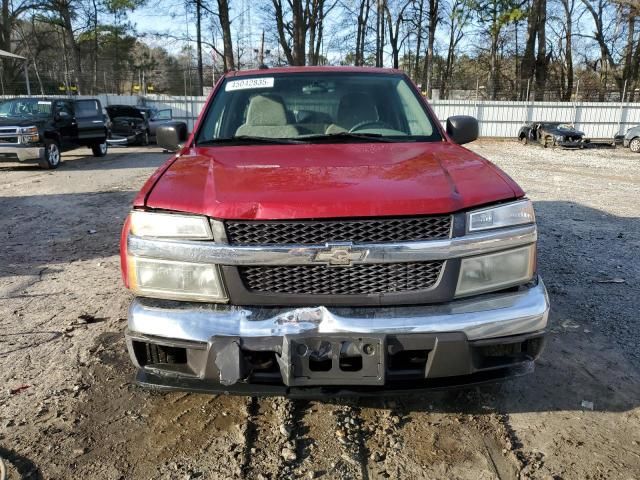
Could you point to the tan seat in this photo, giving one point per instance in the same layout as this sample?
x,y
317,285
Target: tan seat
x,y
267,117
354,108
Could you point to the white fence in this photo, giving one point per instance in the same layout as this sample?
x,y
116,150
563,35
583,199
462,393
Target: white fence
x,y
497,118
503,119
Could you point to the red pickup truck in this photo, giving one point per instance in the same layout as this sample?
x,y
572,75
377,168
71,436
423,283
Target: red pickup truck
x,y
321,233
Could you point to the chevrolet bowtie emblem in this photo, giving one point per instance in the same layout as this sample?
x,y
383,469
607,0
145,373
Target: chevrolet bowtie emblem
x,y
340,255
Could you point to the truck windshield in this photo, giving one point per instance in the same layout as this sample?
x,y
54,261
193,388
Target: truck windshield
x,y
316,107
25,107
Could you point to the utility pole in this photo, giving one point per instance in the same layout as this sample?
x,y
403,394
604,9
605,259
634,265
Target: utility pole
x,y
199,47
261,62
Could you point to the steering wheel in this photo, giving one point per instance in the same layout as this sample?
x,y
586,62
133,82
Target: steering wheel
x,y
367,123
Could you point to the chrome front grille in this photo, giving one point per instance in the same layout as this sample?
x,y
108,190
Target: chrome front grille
x,y
359,279
319,232
9,135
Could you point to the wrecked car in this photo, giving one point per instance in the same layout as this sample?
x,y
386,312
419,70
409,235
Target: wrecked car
x,y
155,118
320,232
129,125
552,134
631,139
135,125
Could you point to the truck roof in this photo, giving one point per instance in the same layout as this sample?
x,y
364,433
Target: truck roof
x,y
316,69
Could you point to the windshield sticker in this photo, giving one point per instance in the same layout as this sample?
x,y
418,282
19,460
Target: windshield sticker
x,y
249,83
43,102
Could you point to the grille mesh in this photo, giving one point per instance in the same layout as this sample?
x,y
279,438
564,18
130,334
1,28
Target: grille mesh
x,y
359,279
356,231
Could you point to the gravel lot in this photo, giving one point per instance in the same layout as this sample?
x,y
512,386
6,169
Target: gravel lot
x,y
68,408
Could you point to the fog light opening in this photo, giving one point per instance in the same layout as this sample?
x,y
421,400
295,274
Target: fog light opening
x,y
154,354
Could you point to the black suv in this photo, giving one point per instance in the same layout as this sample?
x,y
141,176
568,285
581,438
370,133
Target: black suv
x,y
38,129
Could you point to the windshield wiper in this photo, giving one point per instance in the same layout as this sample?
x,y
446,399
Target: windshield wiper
x,y
375,137
249,139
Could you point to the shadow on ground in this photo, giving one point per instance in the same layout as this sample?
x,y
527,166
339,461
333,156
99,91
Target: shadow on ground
x,y
82,159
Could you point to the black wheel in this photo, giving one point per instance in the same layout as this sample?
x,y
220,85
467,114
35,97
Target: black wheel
x,y
100,149
524,140
50,157
634,145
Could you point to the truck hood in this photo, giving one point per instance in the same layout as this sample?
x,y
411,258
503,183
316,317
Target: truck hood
x,y
564,131
324,181
22,121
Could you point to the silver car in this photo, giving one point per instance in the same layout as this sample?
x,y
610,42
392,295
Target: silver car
x,y
632,139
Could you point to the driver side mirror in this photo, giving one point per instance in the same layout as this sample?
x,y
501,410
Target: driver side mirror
x,y
462,129
171,136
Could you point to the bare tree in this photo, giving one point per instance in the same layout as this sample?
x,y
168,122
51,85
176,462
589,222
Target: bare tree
x,y
364,7
417,24
598,9
494,15
568,7
434,18
395,28
300,27
457,19
227,40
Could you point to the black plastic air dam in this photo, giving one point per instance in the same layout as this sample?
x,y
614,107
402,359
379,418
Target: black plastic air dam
x,y
455,363
173,383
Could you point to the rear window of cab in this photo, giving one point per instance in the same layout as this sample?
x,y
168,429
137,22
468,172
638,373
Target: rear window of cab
x,y
311,106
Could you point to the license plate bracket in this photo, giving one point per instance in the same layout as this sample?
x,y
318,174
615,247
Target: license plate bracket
x,y
333,359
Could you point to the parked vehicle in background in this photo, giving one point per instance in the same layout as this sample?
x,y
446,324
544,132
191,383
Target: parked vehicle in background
x,y
632,139
321,232
552,134
107,121
135,125
130,126
39,129
156,118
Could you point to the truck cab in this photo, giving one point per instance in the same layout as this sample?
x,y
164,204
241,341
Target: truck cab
x,y
320,232
40,129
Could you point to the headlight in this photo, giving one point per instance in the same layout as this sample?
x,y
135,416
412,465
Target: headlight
x,y
492,272
170,225
29,130
171,280
175,280
29,134
510,214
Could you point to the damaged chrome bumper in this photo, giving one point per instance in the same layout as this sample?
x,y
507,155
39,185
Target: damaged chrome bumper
x,y
211,347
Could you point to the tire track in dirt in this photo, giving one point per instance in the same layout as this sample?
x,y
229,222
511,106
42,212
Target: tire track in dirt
x,y
435,437
274,447
169,434
352,437
320,450
261,457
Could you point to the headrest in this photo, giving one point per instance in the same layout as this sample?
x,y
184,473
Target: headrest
x,y
266,110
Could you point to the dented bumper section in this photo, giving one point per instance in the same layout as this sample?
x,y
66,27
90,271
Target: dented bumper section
x,y
261,350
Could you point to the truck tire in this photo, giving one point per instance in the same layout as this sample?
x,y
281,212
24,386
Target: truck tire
x,y
524,139
50,157
634,145
100,149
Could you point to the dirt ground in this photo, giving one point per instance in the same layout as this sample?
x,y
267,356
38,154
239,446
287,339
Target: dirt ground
x,y
68,408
